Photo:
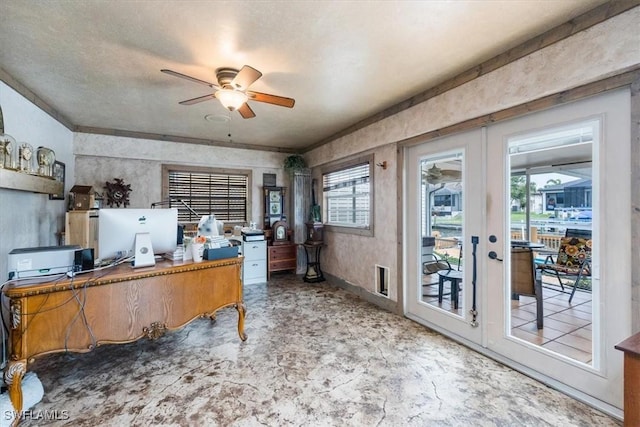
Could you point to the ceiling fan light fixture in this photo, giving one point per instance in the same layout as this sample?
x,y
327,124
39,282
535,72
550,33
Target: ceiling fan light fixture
x,y
435,171
231,90
231,99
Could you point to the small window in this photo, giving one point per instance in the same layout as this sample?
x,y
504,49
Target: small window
x,y
347,192
442,200
205,191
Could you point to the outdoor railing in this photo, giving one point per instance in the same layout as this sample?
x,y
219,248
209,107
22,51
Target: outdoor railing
x,y
550,241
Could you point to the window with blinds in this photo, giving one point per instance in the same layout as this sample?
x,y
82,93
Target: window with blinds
x,y
347,195
225,195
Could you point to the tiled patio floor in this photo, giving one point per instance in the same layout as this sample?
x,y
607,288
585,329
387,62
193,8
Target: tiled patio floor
x,y
567,326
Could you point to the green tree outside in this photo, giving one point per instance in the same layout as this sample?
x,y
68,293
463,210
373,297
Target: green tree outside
x,y
519,190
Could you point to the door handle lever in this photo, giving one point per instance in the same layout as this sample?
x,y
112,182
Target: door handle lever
x,y
494,255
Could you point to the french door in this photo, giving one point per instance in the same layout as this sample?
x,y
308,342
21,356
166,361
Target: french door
x,y
471,199
444,206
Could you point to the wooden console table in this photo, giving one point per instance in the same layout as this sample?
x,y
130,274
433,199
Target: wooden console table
x,y
631,349
114,306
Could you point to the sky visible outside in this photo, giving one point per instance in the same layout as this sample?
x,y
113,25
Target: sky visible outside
x,y
542,179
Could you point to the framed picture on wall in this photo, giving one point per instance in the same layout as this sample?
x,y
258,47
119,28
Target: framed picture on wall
x,y
58,175
273,205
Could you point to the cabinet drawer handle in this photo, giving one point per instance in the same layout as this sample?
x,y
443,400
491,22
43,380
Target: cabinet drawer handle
x,y
254,265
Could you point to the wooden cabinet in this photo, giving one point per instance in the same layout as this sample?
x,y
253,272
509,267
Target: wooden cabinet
x,y
282,258
81,228
254,269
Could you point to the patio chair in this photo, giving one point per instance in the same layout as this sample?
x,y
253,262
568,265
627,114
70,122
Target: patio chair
x,y
432,266
524,280
573,261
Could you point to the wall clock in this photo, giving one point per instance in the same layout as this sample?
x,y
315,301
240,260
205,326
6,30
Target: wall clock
x,y
117,193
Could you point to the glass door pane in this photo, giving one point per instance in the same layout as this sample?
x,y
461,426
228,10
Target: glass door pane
x,y
442,219
551,212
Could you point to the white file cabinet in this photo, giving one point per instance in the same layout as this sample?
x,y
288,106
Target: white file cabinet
x,y
254,268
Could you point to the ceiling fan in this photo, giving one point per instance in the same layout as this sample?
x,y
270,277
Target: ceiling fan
x,y
232,92
435,175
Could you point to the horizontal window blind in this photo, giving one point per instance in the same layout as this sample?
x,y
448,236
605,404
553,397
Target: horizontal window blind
x,y
347,196
346,178
223,195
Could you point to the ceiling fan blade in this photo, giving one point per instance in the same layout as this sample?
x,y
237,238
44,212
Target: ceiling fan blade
x,y
193,79
246,112
198,99
452,174
272,99
245,77
448,176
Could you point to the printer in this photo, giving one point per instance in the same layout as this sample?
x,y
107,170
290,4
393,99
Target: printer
x,y
40,261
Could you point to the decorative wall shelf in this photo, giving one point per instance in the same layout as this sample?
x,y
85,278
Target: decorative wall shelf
x,y
23,181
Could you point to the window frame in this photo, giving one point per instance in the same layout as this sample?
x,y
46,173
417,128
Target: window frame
x,y
168,168
336,167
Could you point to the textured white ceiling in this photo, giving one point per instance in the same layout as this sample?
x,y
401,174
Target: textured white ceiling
x,y
98,62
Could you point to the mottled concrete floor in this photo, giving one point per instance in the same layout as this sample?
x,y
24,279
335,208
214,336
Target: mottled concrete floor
x,y
316,356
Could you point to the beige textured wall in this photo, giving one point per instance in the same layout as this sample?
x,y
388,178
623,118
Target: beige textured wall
x,y
101,158
353,258
588,56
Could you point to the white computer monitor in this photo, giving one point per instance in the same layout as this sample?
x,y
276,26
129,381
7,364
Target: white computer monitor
x,y
141,233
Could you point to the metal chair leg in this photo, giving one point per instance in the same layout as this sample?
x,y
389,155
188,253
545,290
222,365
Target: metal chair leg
x,y
539,308
560,281
575,284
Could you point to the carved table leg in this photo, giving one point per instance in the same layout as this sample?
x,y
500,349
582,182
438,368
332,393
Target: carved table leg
x,y
241,313
13,374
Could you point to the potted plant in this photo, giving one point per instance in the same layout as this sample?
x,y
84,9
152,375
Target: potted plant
x,y
294,163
